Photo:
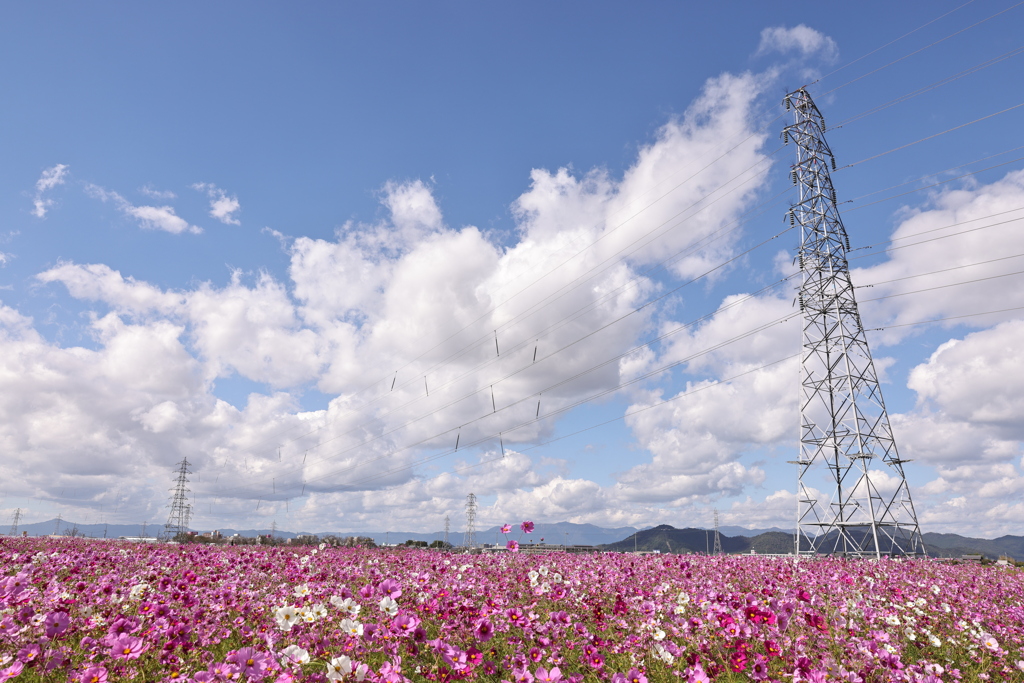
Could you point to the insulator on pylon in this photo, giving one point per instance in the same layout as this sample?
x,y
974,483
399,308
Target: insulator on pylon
x,y
794,177
833,163
847,243
801,261
800,298
785,137
792,218
785,100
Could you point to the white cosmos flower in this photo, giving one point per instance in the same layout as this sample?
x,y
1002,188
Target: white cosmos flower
x,y
352,628
318,610
294,655
361,671
286,617
338,668
389,606
301,591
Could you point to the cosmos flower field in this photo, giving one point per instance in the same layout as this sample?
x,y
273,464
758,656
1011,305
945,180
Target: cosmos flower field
x,y
95,611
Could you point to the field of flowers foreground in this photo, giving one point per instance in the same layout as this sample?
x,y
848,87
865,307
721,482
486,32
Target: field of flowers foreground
x,y
92,611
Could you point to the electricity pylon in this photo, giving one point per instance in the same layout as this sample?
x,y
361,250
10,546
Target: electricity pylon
x,y
16,520
852,492
181,511
718,539
447,525
470,539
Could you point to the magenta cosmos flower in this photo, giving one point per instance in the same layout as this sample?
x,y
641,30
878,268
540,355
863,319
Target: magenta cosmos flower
x,y
94,674
506,528
250,661
527,527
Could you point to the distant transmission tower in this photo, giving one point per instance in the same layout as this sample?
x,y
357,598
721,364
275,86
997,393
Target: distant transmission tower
x,y
844,426
181,511
14,522
470,539
447,525
718,540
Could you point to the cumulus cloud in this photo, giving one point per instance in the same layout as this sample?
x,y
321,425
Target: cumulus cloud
x,y
149,217
962,236
801,39
222,206
426,335
50,178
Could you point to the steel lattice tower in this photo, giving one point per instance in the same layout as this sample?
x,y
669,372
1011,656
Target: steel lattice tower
x,y
470,539
17,520
181,511
446,527
718,540
844,425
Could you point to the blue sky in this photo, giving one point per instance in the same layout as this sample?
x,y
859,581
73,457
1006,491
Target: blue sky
x,y
254,211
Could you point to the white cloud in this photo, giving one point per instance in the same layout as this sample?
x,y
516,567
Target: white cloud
x,y
800,38
149,217
222,206
966,236
151,191
50,178
413,294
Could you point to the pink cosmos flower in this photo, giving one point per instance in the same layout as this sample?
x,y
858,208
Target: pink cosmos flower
x,y
506,528
513,546
250,661
11,671
484,631
697,675
29,653
635,676
94,674
127,647
596,660
56,623
548,676
527,527
405,623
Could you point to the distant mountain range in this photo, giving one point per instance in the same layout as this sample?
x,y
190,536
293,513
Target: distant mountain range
x,y
668,539
664,538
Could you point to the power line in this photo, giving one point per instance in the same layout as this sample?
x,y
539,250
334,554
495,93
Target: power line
x,y
940,237
954,284
935,272
891,42
952,317
928,88
557,411
931,175
930,137
490,438
920,50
